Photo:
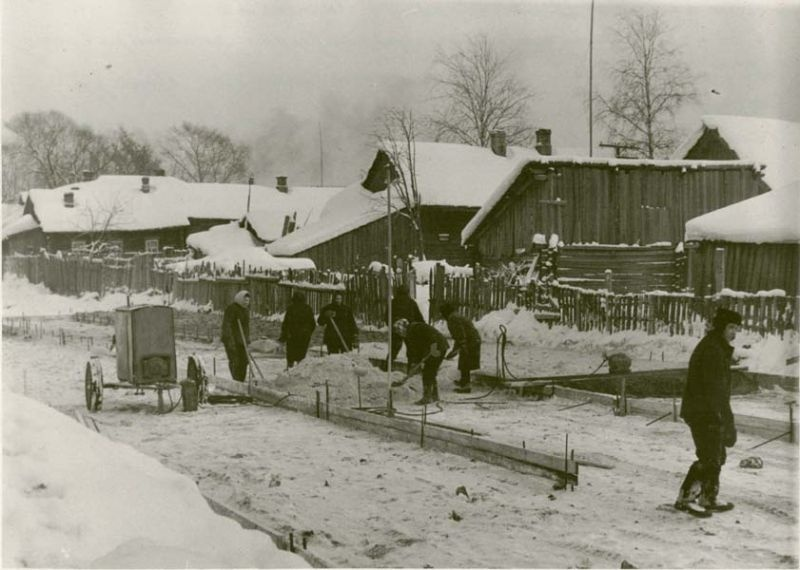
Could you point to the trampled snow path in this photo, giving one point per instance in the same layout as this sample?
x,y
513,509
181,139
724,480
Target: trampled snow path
x,y
394,508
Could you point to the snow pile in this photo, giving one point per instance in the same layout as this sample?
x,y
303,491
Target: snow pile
x,y
74,499
767,218
340,370
760,354
227,245
19,225
423,269
21,298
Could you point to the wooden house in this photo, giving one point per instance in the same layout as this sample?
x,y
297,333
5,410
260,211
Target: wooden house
x,y
604,201
453,181
752,245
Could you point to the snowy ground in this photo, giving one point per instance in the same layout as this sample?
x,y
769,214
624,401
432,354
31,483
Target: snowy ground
x,y
373,502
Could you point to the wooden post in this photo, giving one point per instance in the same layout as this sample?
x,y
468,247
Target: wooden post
x,y
623,398
719,269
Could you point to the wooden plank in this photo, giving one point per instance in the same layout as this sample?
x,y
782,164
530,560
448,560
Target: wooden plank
x,y
524,460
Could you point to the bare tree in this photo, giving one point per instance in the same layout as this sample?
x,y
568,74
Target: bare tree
x,y
479,94
396,136
16,172
201,154
55,149
99,218
650,83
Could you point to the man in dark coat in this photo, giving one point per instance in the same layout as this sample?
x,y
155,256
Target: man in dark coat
x,y
425,346
403,307
706,408
236,334
341,332
297,327
466,343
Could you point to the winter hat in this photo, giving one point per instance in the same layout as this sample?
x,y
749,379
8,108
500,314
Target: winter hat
x,y
400,326
726,317
241,296
446,309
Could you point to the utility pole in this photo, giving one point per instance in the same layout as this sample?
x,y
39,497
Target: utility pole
x,y
390,273
249,190
591,94
321,176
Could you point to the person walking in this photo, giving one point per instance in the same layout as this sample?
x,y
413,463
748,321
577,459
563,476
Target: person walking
x,y
403,307
466,343
296,329
706,408
236,334
425,347
341,332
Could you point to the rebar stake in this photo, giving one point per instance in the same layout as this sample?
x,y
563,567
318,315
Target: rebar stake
x,y
327,401
318,403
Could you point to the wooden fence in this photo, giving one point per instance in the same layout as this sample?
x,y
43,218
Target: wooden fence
x,y
365,291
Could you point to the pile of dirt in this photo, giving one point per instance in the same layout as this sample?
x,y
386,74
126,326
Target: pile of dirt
x,y
341,372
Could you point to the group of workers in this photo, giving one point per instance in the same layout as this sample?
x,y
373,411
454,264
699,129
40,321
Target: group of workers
x,y
426,347
705,405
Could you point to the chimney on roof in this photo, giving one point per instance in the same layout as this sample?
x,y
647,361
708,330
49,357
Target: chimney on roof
x,y
87,175
159,172
145,184
543,145
69,199
282,184
497,142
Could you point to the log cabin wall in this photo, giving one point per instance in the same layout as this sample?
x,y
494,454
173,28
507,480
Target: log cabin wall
x,y
748,267
607,204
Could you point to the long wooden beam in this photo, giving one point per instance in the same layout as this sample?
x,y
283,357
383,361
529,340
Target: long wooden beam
x,y
407,429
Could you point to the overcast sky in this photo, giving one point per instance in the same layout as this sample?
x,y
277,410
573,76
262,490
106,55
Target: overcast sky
x,y
271,72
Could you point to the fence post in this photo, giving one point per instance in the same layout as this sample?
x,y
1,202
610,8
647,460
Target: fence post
x,y
719,269
609,280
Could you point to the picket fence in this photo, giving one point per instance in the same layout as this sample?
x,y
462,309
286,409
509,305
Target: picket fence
x,y
365,291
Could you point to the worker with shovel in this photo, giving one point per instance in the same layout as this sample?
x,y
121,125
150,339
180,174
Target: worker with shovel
x,y
341,332
425,348
235,334
467,345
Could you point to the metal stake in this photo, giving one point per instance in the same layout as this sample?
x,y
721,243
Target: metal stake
x,y
422,425
327,401
318,403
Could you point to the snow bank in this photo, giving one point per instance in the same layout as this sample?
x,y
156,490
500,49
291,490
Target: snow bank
x,y
74,499
227,245
339,370
423,269
760,354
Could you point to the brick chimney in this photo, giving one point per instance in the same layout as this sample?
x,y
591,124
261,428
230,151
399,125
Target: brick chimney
x,y
282,184
145,184
87,175
69,199
543,145
497,142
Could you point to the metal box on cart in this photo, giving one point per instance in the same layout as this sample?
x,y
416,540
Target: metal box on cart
x,y
146,345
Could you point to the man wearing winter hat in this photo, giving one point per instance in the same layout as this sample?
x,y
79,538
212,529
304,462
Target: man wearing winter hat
x,y
236,334
706,407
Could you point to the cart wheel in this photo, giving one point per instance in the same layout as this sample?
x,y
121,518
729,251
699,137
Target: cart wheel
x,y
93,386
197,374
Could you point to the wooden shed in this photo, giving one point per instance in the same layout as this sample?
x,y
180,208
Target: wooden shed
x,y
604,201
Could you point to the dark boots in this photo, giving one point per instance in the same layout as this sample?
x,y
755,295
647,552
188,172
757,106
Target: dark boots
x,y
463,383
430,394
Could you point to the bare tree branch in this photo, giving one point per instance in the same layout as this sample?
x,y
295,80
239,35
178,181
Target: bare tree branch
x,y
650,84
202,154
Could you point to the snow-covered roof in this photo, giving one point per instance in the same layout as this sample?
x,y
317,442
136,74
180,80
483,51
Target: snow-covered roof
x,y
355,206
170,202
307,202
772,142
116,200
228,244
21,224
450,174
771,217
543,160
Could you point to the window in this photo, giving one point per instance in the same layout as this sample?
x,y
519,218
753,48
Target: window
x,y
151,245
78,244
444,237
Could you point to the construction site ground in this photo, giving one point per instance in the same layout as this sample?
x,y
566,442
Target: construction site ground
x,y
360,500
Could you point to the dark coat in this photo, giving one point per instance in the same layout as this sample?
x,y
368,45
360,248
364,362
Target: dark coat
x,y
707,394
419,338
404,307
234,315
345,322
298,323
466,339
